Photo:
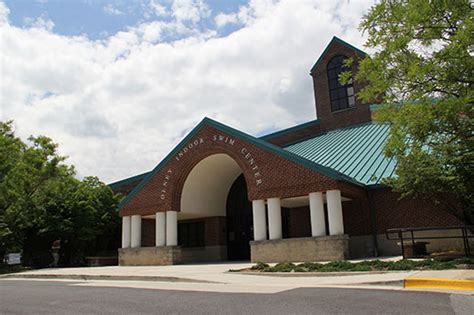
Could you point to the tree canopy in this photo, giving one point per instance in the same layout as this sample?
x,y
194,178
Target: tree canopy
x,y
42,201
422,71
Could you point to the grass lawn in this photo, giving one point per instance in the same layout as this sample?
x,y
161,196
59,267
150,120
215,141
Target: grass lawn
x,y
372,265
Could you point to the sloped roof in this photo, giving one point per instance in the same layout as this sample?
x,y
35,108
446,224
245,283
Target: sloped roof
x,y
355,151
128,180
335,39
326,171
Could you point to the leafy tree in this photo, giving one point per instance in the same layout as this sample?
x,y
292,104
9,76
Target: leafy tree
x,y
422,69
41,201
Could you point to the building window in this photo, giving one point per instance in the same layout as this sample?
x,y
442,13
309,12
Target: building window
x,y
341,96
191,234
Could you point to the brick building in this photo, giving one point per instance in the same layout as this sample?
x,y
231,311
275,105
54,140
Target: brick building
x,y
310,192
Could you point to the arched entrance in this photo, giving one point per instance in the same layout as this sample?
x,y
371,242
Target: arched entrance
x,y
239,221
216,214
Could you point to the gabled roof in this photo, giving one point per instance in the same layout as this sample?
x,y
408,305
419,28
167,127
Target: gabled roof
x,y
126,181
334,40
355,151
290,130
246,137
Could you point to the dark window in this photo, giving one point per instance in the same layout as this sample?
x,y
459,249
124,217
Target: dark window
x,y
341,96
191,234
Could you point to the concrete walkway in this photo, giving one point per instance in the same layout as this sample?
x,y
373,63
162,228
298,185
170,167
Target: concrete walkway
x,y
216,278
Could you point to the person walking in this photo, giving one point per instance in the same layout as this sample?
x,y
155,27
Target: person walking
x,y
55,247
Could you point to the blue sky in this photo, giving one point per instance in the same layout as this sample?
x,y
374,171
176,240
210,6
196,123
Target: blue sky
x,y
117,84
99,18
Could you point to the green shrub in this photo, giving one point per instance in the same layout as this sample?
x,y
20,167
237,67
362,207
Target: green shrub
x,y
368,265
260,266
311,266
283,267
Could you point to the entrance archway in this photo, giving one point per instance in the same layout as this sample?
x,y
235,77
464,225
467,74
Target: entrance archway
x,y
239,221
215,211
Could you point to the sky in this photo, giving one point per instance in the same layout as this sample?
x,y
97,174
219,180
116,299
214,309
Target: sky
x,y
117,84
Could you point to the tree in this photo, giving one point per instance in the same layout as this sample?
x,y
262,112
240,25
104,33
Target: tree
x,y
423,71
41,201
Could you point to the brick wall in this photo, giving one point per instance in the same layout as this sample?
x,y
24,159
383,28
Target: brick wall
x,y
356,115
356,214
148,232
394,213
299,224
214,231
390,213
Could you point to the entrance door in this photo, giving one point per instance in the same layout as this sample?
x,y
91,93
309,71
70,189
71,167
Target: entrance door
x,y
239,221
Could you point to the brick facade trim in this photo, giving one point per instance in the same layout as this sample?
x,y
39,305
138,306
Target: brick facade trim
x,y
269,171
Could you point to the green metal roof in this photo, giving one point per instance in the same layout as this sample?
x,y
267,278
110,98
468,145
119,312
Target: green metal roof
x,y
355,151
128,180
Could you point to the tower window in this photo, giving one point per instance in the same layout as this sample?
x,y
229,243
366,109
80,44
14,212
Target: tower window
x,y
341,96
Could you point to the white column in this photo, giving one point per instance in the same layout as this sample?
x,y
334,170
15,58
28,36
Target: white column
x,y
259,220
160,229
274,218
316,208
336,223
171,228
126,232
136,240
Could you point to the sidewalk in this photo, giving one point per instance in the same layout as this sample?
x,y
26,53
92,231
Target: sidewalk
x,y
215,278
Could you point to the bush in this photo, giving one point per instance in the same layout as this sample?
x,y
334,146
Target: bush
x,y
283,267
369,265
260,266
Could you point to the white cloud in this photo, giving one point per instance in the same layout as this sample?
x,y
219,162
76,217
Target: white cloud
x,y
158,9
117,106
111,9
40,22
223,19
189,10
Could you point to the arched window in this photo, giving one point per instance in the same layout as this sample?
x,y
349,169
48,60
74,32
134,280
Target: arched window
x,y
341,96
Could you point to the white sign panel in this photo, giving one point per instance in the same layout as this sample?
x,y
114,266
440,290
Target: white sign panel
x,y
13,258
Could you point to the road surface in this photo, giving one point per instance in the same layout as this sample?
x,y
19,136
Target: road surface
x,y
54,297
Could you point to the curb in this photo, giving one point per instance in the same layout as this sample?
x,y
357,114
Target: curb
x,y
438,283
101,277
